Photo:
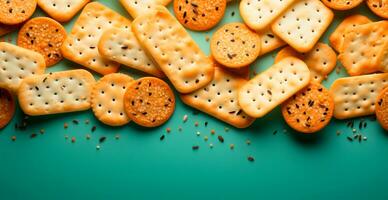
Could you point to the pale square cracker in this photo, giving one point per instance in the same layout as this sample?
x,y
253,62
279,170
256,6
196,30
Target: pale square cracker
x,y
274,86
62,10
220,99
59,92
123,47
356,96
177,54
81,44
383,58
140,7
258,14
269,41
303,24
17,63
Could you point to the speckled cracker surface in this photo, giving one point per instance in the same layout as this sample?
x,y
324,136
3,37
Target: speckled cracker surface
x,y
60,92
140,7
303,24
269,41
123,47
220,99
17,63
177,54
274,86
62,10
258,14
81,43
356,96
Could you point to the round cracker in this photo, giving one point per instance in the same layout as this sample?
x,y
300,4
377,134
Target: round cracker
x,y
7,107
107,99
382,108
199,15
379,7
310,110
149,102
45,36
234,45
16,11
342,4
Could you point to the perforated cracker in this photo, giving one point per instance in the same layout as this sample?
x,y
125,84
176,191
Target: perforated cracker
x,y
258,14
14,12
17,63
60,92
81,43
123,47
342,4
7,107
269,41
62,10
177,54
383,58
270,88
379,7
303,24
140,7
356,96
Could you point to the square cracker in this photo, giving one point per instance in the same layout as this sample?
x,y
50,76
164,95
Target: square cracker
x,y
274,86
141,7
17,63
258,14
219,99
177,54
81,44
356,96
303,24
269,41
59,92
383,58
62,10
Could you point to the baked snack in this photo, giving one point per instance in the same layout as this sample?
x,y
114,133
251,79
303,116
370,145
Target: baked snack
x,y
382,108
342,4
16,11
379,7
136,7
62,11
7,107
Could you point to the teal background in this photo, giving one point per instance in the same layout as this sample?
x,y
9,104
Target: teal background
x,y
287,165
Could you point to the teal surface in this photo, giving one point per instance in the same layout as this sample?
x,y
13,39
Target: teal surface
x,y
138,165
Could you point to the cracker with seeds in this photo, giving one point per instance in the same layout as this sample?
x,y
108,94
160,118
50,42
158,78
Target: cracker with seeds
x,y
269,41
274,86
140,7
382,108
81,43
176,53
342,4
14,12
59,92
7,107
62,11
379,7
356,96
303,24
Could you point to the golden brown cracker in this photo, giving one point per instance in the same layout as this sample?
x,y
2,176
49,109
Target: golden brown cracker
x,y
342,4
62,10
379,7
16,11
7,107
382,108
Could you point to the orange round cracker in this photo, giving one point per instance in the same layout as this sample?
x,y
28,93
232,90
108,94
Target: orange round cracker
x,y
379,7
16,11
234,45
342,4
310,110
45,36
149,102
382,108
199,15
7,107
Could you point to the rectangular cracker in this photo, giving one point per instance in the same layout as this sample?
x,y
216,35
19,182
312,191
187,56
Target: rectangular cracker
x,y
269,41
177,54
123,47
356,96
258,14
62,10
81,44
60,92
383,58
219,99
141,7
303,24
17,63
274,86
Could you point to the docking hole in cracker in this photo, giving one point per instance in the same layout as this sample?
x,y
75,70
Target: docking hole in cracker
x,y
14,12
269,41
7,107
342,4
62,11
140,7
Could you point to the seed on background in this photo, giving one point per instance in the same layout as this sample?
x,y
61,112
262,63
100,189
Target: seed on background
x,y
168,130
65,125
162,137
221,139
211,145
88,137
198,133
98,147
206,138
231,146
248,142
196,147
73,139
196,124
251,158
117,136
41,131
185,117
13,138
212,131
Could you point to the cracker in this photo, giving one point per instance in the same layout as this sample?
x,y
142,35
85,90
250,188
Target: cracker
x,y
362,46
271,88
45,36
337,37
303,24
60,10
379,7
124,48
199,15
321,60
17,63
220,99
16,11
356,96
107,99
382,108
59,92
383,58
235,45
149,102
259,14
177,54
309,110
81,44
140,7
342,4
269,41
7,107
